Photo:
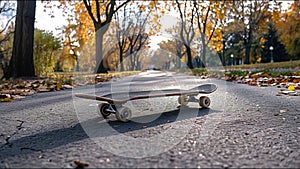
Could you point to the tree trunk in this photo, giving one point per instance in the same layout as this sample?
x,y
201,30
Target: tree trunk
x,y
21,63
121,59
178,60
198,62
247,53
189,56
247,44
223,52
100,67
203,59
77,64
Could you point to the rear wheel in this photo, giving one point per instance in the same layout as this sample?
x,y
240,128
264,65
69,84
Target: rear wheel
x,y
204,101
183,100
123,114
104,110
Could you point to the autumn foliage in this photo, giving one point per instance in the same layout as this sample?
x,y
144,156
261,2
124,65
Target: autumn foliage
x,y
102,36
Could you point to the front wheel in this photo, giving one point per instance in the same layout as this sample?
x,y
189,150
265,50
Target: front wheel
x,y
204,101
123,114
104,110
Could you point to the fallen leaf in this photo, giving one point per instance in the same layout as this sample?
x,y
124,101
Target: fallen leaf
x,y
291,88
265,75
59,85
67,86
6,100
255,76
80,163
294,94
282,111
286,92
296,80
3,96
43,89
17,97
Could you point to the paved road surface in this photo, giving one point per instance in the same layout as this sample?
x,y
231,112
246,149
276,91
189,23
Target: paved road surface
x,y
245,127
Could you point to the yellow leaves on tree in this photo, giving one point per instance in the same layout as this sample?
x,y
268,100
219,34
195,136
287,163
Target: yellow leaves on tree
x,y
142,8
289,29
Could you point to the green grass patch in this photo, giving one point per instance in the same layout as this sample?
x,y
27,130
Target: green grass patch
x,y
236,73
274,65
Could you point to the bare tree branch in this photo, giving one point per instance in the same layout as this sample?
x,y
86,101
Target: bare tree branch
x,y
89,9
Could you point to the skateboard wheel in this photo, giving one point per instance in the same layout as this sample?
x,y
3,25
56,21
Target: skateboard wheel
x,y
123,114
182,100
204,101
103,110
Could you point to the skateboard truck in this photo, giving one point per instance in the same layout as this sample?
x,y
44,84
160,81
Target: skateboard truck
x,y
111,109
122,113
203,101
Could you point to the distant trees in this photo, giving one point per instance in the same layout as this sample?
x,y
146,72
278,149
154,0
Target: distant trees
x,y
209,17
121,29
187,27
271,38
250,14
289,29
101,13
46,47
131,35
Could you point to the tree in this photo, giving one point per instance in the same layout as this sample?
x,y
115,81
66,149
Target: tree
x,y
272,39
289,29
6,11
137,38
251,14
74,40
132,31
209,17
101,14
6,33
187,32
21,63
45,47
233,42
173,46
122,26
173,49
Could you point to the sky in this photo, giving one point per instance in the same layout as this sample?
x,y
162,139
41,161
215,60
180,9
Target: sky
x,y
45,22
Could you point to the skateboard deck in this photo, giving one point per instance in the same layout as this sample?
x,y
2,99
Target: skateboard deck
x,y
114,101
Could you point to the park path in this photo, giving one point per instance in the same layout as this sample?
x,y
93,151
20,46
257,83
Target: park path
x,y
246,126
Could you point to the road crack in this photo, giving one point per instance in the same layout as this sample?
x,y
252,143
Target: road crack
x,y
19,127
32,149
8,137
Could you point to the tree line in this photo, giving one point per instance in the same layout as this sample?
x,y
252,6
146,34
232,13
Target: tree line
x,y
106,35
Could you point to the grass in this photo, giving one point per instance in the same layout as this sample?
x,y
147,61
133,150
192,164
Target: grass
x,y
276,69
274,65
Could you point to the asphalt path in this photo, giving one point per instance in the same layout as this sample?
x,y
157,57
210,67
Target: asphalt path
x,y
245,126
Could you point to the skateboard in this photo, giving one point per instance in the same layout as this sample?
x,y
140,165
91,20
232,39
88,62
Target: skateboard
x,y
114,101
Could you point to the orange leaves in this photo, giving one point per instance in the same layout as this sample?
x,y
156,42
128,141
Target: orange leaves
x,y
102,9
152,4
142,7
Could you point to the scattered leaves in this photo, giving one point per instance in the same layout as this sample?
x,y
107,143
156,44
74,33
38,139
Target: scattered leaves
x,y
80,163
17,89
289,80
